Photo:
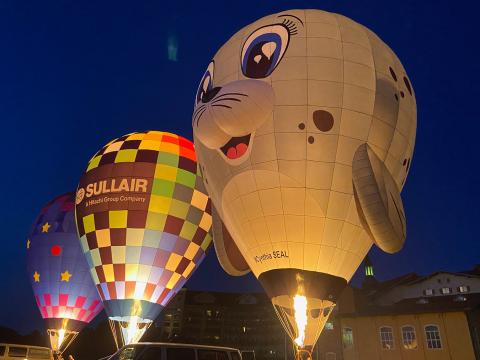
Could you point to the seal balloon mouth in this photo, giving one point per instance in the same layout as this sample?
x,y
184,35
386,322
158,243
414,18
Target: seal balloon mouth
x,y
236,147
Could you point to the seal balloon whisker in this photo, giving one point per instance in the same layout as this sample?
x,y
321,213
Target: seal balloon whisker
x,y
226,99
221,105
198,116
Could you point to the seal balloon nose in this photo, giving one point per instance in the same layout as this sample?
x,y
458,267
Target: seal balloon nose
x,y
210,94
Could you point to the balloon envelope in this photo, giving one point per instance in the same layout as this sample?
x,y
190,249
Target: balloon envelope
x,y
144,221
64,291
304,125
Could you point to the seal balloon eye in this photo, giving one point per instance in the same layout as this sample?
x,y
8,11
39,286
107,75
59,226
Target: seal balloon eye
x,y
263,50
206,83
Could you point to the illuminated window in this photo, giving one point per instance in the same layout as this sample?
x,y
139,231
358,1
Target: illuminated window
x,y
446,290
369,270
347,337
328,325
432,335
386,338
409,337
429,292
463,288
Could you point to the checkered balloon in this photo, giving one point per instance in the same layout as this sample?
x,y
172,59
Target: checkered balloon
x,y
143,219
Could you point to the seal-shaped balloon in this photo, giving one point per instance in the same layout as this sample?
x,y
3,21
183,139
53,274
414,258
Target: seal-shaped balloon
x,y
304,124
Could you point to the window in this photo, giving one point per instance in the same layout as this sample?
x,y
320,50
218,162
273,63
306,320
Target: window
x,y
330,356
127,353
409,338
386,337
180,354
328,325
211,355
34,353
463,288
347,337
17,351
429,292
2,350
446,290
248,355
234,355
432,334
152,353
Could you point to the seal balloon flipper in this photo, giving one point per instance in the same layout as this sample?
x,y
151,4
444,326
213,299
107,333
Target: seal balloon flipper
x,y
228,254
378,200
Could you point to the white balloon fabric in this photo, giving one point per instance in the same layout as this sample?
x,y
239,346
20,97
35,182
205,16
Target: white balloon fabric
x,y
304,126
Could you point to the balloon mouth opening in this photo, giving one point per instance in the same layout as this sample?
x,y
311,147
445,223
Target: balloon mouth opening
x,y
128,329
303,354
303,318
60,338
303,301
236,147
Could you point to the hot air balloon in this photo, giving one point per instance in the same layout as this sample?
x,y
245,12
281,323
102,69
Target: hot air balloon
x,y
304,125
143,219
64,291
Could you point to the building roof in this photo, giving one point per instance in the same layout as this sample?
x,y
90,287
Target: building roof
x,y
423,278
365,298
434,304
474,271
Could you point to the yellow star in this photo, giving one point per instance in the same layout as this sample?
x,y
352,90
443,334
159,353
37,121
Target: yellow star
x,y
28,243
36,277
65,276
45,227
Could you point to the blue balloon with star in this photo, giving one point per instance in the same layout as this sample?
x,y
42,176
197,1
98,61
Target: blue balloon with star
x,y
64,291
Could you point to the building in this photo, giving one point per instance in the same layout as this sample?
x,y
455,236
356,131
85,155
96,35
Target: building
x,y
409,317
412,317
244,321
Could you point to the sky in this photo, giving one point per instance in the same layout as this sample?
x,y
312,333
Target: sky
x,y
74,75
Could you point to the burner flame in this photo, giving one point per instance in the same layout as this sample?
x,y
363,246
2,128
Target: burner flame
x,y
300,307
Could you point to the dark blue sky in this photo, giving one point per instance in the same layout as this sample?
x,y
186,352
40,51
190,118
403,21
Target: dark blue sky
x,y
74,75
